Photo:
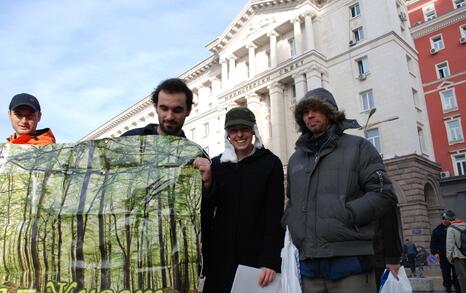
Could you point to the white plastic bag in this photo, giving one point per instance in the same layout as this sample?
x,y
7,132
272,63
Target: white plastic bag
x,y
392,285
290,266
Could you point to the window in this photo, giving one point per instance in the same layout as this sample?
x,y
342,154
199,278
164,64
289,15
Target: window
x,y
459,3
358,34
463,31
420,135
460,165
193,133
367,100
415,97
429,12
437,43
355,10
293,90
292,44
409,61
448,100
443,70
454,130
267,54
206,129
373,137
363,66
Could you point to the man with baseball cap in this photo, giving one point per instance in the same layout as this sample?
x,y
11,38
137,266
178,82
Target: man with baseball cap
x,y
25,113
438,247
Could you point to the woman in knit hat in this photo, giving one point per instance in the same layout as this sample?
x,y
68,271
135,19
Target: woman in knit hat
x,y
242,207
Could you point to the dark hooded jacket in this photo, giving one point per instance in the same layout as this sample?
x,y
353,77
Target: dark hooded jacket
x,y
241,218
337,193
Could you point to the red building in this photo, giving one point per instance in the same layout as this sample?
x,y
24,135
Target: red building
x,y
439,31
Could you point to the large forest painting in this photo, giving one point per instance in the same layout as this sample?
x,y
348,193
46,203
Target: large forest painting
x,y
110,215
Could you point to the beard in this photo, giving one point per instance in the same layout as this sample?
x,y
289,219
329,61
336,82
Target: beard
x,y
171,129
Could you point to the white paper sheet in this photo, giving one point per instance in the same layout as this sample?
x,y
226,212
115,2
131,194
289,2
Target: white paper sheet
x,y
246,282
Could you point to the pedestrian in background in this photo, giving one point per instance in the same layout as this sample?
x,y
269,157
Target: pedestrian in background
x,y
455,251
410,252
438,243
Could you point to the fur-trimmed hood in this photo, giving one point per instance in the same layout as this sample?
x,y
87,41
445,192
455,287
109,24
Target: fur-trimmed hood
x,y
322,100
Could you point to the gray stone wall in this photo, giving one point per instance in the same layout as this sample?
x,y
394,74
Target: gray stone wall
x,y
416,181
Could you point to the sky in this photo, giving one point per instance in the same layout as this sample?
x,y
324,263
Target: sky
x,y
88,60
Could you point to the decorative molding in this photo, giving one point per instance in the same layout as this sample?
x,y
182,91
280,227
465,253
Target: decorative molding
x,y
200,69
291,67
120,118
252,7
438,23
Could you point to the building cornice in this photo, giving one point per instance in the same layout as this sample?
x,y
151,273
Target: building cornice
x,y
199,69
438,23
119,119
220,42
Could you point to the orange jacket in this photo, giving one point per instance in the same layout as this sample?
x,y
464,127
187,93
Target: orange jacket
x,y
40,137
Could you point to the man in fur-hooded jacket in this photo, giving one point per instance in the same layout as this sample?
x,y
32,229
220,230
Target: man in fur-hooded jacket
x,y
338,190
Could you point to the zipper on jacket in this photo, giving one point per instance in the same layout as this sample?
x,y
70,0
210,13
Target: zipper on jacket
x,y
316,161
380,180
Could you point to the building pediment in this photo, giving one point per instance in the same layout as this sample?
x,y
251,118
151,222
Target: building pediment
x,y
256,18
445,85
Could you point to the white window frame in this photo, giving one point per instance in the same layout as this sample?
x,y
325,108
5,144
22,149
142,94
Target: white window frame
x,y
455,135
461,3
457,160
358,34
427,10
449,104
206,129
193,134
363,65
356,8
438,69
439,44
416,101
463,30
374,140
366,98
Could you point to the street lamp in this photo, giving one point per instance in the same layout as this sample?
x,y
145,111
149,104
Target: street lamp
x,y
367,125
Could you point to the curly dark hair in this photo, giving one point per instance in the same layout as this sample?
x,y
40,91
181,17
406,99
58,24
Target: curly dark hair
x,y
318,104
172,86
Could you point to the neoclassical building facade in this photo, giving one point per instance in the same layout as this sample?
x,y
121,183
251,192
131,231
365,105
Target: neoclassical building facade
x,y
276,50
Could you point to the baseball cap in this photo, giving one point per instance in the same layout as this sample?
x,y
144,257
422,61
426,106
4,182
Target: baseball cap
x,y
448,215
25,100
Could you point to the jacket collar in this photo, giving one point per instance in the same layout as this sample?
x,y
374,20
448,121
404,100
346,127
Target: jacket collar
x,y
151,129
333,133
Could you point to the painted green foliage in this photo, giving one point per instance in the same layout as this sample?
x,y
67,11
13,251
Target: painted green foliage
x,y
117,214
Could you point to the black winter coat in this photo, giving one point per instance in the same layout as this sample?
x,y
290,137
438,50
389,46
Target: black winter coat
x,y
241,218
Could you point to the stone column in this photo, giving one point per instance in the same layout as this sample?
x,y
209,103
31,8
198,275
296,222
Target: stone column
x,y
254,104
231,73
273,48
298,37
309,31
277,117
252,59
224,64
313,77
300,85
